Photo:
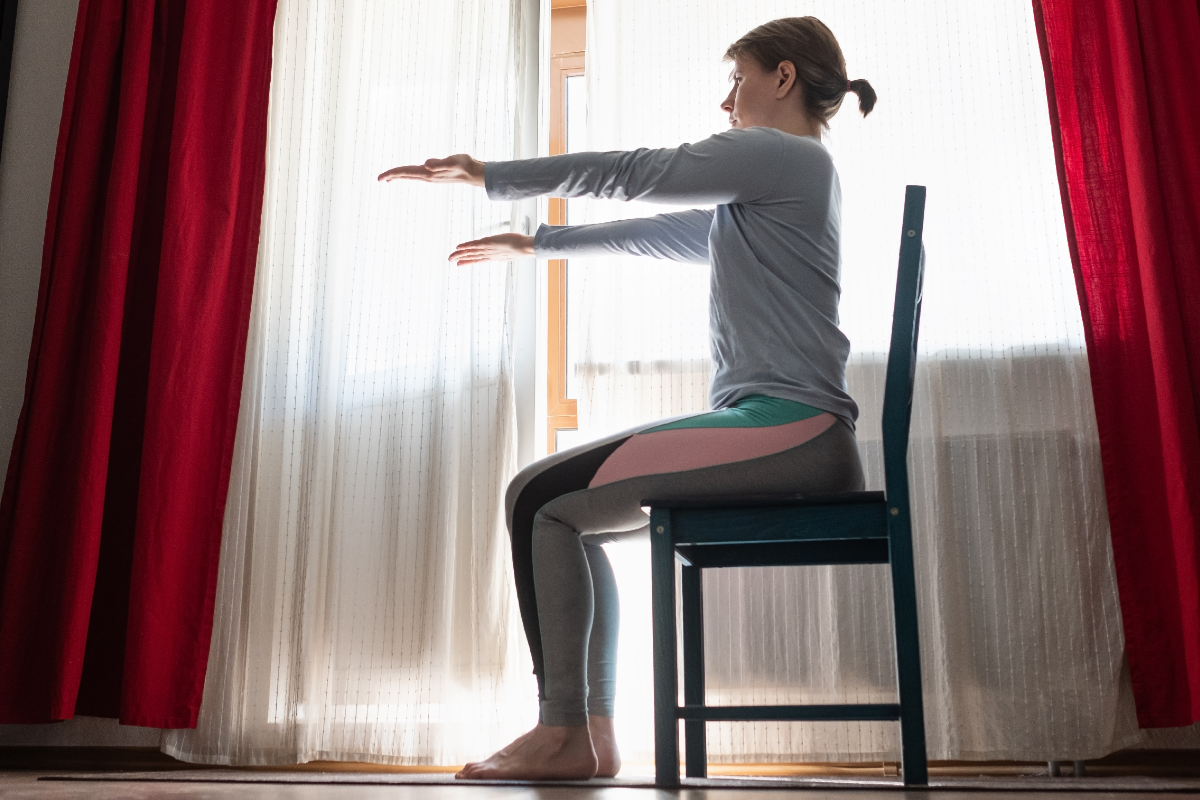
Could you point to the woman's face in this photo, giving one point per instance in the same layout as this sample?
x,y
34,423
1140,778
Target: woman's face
x,y
755,97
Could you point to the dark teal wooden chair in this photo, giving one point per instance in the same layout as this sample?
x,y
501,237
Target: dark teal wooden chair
x,y
767,531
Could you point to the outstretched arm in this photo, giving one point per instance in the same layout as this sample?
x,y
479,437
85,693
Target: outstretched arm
x,y
682,236
736,166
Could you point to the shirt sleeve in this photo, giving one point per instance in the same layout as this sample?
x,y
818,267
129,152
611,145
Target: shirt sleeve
x,y
682,236
736,166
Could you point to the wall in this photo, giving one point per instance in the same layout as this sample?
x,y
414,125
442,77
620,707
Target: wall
x,y
41,54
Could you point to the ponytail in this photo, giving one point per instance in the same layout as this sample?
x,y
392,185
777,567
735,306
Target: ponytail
x,y
866,95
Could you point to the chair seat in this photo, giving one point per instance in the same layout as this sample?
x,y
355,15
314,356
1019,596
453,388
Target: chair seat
x,y
750,519
743,500
784,554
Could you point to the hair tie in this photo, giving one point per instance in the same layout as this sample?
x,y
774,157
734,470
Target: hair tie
x,y
848,89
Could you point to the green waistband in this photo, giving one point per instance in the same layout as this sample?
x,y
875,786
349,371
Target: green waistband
x,y
754,411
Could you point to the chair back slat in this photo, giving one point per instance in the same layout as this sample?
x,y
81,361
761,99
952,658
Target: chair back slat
x,y
902,356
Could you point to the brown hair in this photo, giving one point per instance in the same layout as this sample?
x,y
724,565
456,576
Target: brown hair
x,y
820,66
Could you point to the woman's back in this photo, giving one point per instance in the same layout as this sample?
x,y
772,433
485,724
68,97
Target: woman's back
x,y
775,280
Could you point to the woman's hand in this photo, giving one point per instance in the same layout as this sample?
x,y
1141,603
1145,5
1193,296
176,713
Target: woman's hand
x,y
505,247
454,169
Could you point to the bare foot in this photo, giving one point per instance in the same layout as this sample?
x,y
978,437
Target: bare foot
x,y
548,752
604,742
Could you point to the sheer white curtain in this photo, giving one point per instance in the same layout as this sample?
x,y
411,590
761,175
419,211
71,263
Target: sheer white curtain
x,y
1021,636
364,604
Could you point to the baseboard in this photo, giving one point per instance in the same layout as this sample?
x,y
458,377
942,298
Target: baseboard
x,y
87,759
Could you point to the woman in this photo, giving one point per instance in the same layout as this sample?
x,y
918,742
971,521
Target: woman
x,y
782,420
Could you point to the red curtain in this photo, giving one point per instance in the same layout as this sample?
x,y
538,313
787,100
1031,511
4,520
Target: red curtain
x,y
110,522
1122,77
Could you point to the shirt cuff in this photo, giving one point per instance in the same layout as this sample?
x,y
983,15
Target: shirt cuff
x,y
498,178
543,238
489,184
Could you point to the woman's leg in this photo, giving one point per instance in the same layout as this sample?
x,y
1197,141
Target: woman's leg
x,y
532,488
815,456
602,661
579,674
558,750
602,644
600,495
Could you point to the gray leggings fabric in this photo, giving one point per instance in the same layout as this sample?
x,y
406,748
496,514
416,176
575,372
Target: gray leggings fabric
x,y
565,584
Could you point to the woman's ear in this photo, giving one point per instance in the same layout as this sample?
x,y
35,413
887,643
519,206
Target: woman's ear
x,y
785,79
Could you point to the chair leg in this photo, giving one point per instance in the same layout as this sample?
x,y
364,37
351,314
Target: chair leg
x,y
666,659
695,746
908,659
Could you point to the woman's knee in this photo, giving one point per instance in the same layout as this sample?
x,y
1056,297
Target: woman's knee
x,y
518,484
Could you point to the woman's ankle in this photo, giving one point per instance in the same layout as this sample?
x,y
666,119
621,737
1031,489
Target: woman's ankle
x,y
604,743
601,724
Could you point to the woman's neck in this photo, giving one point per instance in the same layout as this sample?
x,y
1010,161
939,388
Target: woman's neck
x,y
793,123
800,125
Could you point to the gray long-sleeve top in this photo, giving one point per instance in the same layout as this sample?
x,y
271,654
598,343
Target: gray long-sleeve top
x,y
773,241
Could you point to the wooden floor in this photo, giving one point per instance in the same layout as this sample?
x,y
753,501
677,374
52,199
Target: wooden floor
x,y
22,785
137,774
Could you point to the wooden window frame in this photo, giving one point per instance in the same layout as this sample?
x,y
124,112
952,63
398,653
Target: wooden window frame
x,y
561,411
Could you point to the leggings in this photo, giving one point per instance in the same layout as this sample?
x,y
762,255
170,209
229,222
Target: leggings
x,y
561,509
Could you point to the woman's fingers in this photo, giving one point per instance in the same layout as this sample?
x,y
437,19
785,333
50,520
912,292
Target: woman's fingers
x,y
476,255
479,257
414,172
503,247
468,247
459,168
488,242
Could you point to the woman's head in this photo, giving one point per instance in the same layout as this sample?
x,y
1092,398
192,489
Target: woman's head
x,y
790,60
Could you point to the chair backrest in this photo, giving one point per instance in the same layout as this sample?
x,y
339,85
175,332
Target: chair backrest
x,y
902,355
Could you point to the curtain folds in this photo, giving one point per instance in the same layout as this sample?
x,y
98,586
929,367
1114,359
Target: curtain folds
x,y
111,516
1022,648
366,603
1121,76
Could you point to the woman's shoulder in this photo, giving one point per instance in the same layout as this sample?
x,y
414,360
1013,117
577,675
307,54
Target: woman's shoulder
x,y
746,138
779,142
768,159
769,143
808,145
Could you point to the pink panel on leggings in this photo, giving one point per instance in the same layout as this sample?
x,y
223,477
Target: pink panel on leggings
x,y
692,448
